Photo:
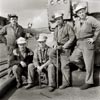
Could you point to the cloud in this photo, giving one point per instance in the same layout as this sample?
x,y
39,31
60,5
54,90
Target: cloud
x,y
20,5
41,20
27,10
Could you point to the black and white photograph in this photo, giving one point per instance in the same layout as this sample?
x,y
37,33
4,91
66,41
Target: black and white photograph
x,y
49,49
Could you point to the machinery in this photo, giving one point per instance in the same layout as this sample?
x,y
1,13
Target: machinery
x,y
66,7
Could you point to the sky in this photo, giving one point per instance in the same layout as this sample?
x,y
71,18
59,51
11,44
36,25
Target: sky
x,y
34,11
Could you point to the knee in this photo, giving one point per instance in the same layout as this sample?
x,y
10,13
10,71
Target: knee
x,y
52,53
15,68
31,66
65,67
51,67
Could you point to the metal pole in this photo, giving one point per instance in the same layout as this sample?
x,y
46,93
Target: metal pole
x,y
57,70
57,62
39,79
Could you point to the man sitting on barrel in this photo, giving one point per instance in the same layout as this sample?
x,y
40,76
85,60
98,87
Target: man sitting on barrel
x,y
41,63
22,58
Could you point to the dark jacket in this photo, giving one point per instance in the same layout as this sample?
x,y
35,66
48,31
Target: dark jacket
x,y
17,57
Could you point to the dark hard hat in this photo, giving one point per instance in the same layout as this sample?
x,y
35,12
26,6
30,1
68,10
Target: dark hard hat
x,y
12,15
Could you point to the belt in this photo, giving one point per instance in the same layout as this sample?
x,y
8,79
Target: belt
x,y
84,38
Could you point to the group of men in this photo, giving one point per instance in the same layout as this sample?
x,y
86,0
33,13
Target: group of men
x,y
24,61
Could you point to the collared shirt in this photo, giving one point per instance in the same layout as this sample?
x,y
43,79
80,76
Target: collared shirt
x,y
41,56
86,28
64,34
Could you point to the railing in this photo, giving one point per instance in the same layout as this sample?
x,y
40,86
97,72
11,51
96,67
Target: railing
x,y
3,71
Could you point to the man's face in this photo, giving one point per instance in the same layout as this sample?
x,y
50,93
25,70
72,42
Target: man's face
x,y
82,13
41,44
59,20
22,46
13,20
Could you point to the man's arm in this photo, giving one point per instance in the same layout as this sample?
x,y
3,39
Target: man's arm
x,y
96,26
3,32
36,62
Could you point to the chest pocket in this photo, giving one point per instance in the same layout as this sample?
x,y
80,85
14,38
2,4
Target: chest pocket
x,y
86,27
43,56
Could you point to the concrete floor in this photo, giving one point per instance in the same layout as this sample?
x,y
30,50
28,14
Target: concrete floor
x,y
71,93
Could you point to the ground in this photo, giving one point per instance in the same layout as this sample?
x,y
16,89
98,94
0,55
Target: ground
x,y
71,93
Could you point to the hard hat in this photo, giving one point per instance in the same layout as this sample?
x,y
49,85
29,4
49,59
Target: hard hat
x,y
21,40
80,6
42,38
57,15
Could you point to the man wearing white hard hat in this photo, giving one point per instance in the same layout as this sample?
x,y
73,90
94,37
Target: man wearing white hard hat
x,y
21,59
84,27
63,39
42,64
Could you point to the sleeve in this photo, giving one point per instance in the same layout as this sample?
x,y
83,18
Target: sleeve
x,y
36,62
71,37
3,32
96,26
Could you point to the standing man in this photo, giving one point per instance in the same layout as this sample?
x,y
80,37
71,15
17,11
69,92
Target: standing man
x,y
63,39
87,30
10,33
22,58
41,61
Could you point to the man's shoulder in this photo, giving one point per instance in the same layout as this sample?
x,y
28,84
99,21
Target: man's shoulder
x,y
6,26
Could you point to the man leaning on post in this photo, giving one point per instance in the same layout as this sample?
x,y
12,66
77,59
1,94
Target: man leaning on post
x,y
63,39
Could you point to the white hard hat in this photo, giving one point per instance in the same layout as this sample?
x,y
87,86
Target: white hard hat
x,y
57,15
21,40
80,6
42,38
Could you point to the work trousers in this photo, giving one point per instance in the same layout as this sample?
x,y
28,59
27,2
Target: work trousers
x,y
64,55
18,71
50,70
84,51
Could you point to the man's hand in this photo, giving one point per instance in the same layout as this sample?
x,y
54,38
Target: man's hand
x,y
10,73
59,47
91,40
23,64
39,68
55,45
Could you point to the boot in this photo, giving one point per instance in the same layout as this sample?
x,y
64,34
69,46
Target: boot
x,y
30,85
85,86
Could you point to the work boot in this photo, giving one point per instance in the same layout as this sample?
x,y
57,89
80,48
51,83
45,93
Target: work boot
x,y
85,86
30,85
18,85
63,86
51,89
